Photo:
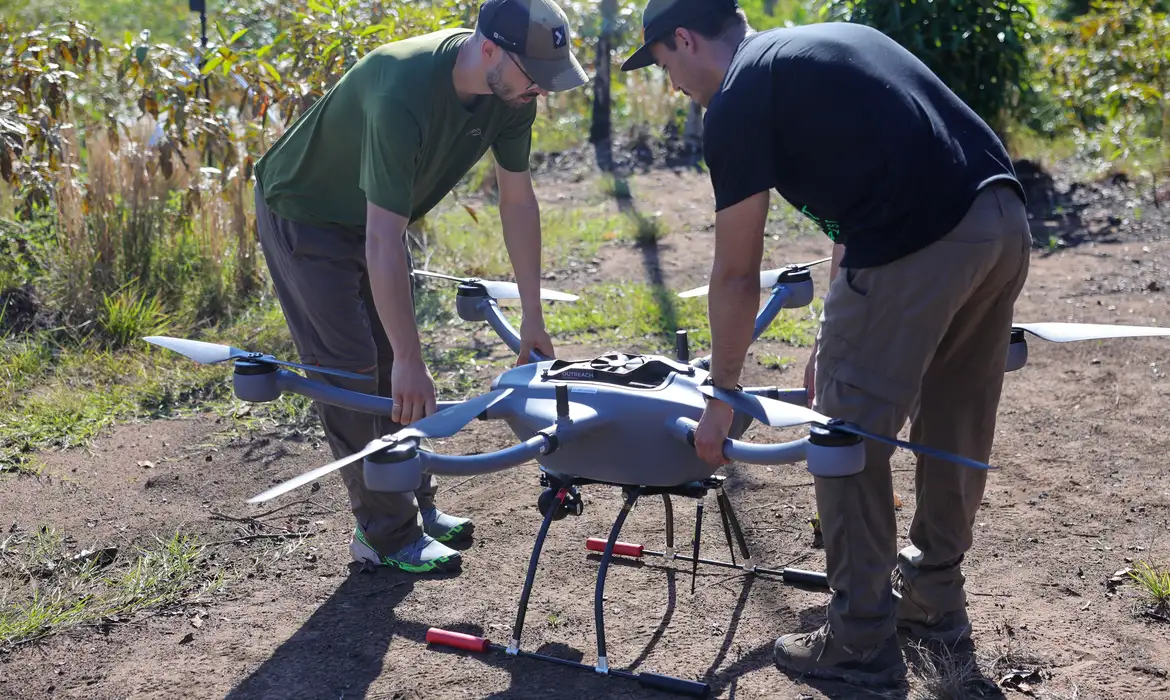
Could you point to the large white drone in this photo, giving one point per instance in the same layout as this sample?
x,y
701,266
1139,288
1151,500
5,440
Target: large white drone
x,y
619,419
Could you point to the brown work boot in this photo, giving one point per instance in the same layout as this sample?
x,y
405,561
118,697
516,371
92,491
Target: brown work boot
x,y
914,617
820,655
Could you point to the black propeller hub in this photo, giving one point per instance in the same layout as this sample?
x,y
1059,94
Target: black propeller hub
x,y
829,436
794,275
253,365
471,288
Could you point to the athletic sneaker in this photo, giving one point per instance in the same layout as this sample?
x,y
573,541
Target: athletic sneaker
x,y
424,555
446,528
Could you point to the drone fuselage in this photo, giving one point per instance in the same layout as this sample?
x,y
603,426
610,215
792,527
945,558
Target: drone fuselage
x,y
619,408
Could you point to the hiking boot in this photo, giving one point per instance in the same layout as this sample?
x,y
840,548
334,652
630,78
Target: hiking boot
x,y
424,555
914,617
446,528
820,655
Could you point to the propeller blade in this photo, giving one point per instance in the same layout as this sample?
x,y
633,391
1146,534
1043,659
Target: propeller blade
x,y
451,420
445,423
211,353
1067,332
768,278
311,476
510,290
779,414
500,289
776,414
439,275
198,350
312,368
913,447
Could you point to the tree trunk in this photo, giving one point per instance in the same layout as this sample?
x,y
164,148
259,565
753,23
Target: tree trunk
x,y
600,132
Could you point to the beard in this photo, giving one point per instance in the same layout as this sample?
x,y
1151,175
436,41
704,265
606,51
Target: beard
x,y
510,97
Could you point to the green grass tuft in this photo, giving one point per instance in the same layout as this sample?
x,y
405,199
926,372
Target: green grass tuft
x,y
644,318
45,589
471,243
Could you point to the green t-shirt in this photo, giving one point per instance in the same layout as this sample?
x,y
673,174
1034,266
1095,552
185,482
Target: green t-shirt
x,y
392,130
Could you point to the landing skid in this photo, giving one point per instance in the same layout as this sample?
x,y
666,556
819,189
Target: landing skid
x,y
565,500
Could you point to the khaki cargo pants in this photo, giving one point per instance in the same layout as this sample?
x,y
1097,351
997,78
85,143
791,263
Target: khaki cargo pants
x,y
323,286
928,335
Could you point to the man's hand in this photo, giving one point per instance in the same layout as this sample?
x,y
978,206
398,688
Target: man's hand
x,y
413,390
533,336
712,431
810,375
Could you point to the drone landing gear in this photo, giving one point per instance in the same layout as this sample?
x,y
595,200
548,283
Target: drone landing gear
x,y
700,490
555,508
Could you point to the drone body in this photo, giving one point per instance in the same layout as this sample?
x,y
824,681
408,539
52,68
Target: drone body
x,y
619,406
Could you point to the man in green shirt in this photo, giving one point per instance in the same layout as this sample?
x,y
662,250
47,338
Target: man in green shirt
x,y
334,197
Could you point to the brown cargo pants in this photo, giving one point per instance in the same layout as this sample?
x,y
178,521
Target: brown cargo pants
x,y
926,334
323,286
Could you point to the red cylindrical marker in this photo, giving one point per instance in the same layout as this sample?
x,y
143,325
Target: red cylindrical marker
x,y
458,640
596,544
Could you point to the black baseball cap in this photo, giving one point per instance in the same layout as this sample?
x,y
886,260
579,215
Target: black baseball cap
x,y
537,32
662,17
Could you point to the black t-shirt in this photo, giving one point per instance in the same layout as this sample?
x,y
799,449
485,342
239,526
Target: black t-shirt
x,y
855,132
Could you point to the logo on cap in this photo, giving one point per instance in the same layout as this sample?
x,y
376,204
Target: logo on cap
x,y
558,34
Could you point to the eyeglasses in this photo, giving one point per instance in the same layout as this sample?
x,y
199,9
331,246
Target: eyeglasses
x,y
531,82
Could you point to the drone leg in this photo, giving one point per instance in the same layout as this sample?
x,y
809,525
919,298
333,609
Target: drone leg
x,y
598,610
514,646
669,554
725,504
695,542
721,500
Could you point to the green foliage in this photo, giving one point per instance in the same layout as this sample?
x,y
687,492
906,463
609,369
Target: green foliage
x,y
979,49
129,315
1106,76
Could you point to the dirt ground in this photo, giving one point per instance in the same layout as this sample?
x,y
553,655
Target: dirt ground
x,y
1082,494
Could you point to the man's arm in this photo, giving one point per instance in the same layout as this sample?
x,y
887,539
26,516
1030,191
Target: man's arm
x,y
733,296
389,268
520,219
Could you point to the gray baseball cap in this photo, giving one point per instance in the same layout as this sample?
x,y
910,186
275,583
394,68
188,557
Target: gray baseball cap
x,y
537,32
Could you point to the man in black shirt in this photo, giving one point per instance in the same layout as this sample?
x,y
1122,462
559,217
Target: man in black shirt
x,y
931,248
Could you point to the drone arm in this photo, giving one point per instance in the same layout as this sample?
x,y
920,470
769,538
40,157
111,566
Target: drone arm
x,y
500,325
468,465
746,452
777,301
291,382
766,315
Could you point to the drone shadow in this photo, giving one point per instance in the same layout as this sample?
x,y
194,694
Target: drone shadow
x,y
345,647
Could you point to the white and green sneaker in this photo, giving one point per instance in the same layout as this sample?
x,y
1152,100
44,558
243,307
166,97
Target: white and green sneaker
x,y
446,528
424,555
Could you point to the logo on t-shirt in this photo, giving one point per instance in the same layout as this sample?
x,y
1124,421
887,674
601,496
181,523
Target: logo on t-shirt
x,y
475,132
831,228
558,37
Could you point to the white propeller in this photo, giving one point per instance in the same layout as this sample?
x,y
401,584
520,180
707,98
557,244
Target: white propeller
x,y
499,289
1068,332
768,278
445,423
779,414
